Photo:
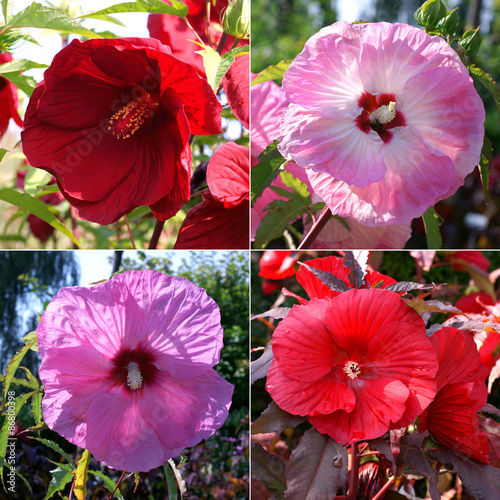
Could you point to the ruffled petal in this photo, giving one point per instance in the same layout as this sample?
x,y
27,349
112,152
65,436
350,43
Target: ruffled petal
x,y
237,88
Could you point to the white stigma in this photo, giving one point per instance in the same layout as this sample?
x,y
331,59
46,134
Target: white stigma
x,y
134,377
384,114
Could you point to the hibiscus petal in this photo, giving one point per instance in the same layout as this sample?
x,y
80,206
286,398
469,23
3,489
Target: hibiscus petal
x,y
322,396
378,402
237,88
209,225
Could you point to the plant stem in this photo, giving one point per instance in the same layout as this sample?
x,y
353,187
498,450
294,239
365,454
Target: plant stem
x,y
193,30
384,488
315,229
130,232
200,193
353,483
116,487
222,42
156,234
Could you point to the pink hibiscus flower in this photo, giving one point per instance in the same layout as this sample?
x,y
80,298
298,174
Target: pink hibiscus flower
x,y
221,219
127,368
356,365
387,118
461,391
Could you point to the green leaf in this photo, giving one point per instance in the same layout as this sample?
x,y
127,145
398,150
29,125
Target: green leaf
x,y
39,16
484,165
18,474
225,64
19,65
26,83
12,368
152,6
56,448
109,483
7,9
81,476
485,78
3,152
60,478
36,407
10,39
31,380
9,419
175,483
38,208
300,190
432,221
239,51
28,338
270,164
211,62
105,17
35,178
274,72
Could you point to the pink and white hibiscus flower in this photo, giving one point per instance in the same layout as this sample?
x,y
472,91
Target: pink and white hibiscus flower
x,y
127,368
386,117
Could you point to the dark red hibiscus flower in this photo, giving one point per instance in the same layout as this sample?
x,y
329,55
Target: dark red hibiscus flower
x,y
314,287
488,346
236,83
356,365
220,221
461,391
174,32
41,229
111,121
8,100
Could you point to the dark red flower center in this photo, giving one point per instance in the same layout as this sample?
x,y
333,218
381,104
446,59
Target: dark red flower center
x,y
129,118
380,113
134,368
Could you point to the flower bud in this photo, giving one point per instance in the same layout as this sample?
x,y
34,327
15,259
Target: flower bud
x,y
236,19
470,41
449,24
430,13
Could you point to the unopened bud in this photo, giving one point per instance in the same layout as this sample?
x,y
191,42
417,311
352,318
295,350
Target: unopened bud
x,y
470,41
430,13
449,24
236,19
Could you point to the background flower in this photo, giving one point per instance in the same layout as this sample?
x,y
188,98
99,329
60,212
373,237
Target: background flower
x,y
127,368
461,391
111,121
385,115
8,100
221,219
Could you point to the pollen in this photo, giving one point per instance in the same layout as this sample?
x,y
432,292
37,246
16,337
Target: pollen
x,y
352,369
385,114
128,120
134,377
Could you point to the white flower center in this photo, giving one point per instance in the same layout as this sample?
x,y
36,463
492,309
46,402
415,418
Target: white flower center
x,y
384,114
352,369
134,377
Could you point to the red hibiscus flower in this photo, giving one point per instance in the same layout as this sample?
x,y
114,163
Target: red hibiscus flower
x,y
468,257
111,121
277,264
220,221
488,344
356,365
333,265
236,83
8,100
41,229
174,32
475,303
452,417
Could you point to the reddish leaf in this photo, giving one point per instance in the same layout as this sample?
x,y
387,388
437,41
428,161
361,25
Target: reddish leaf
x,y
317,468
268,469
259,367
273,418
418,460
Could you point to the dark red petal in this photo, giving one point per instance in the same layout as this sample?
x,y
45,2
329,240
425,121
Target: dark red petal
x,y
276,264
210,225
228,174
236,83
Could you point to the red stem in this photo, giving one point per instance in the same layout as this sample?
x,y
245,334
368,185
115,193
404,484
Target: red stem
x,y
156,234
353,477
317,227
384,488
116,487
130,233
